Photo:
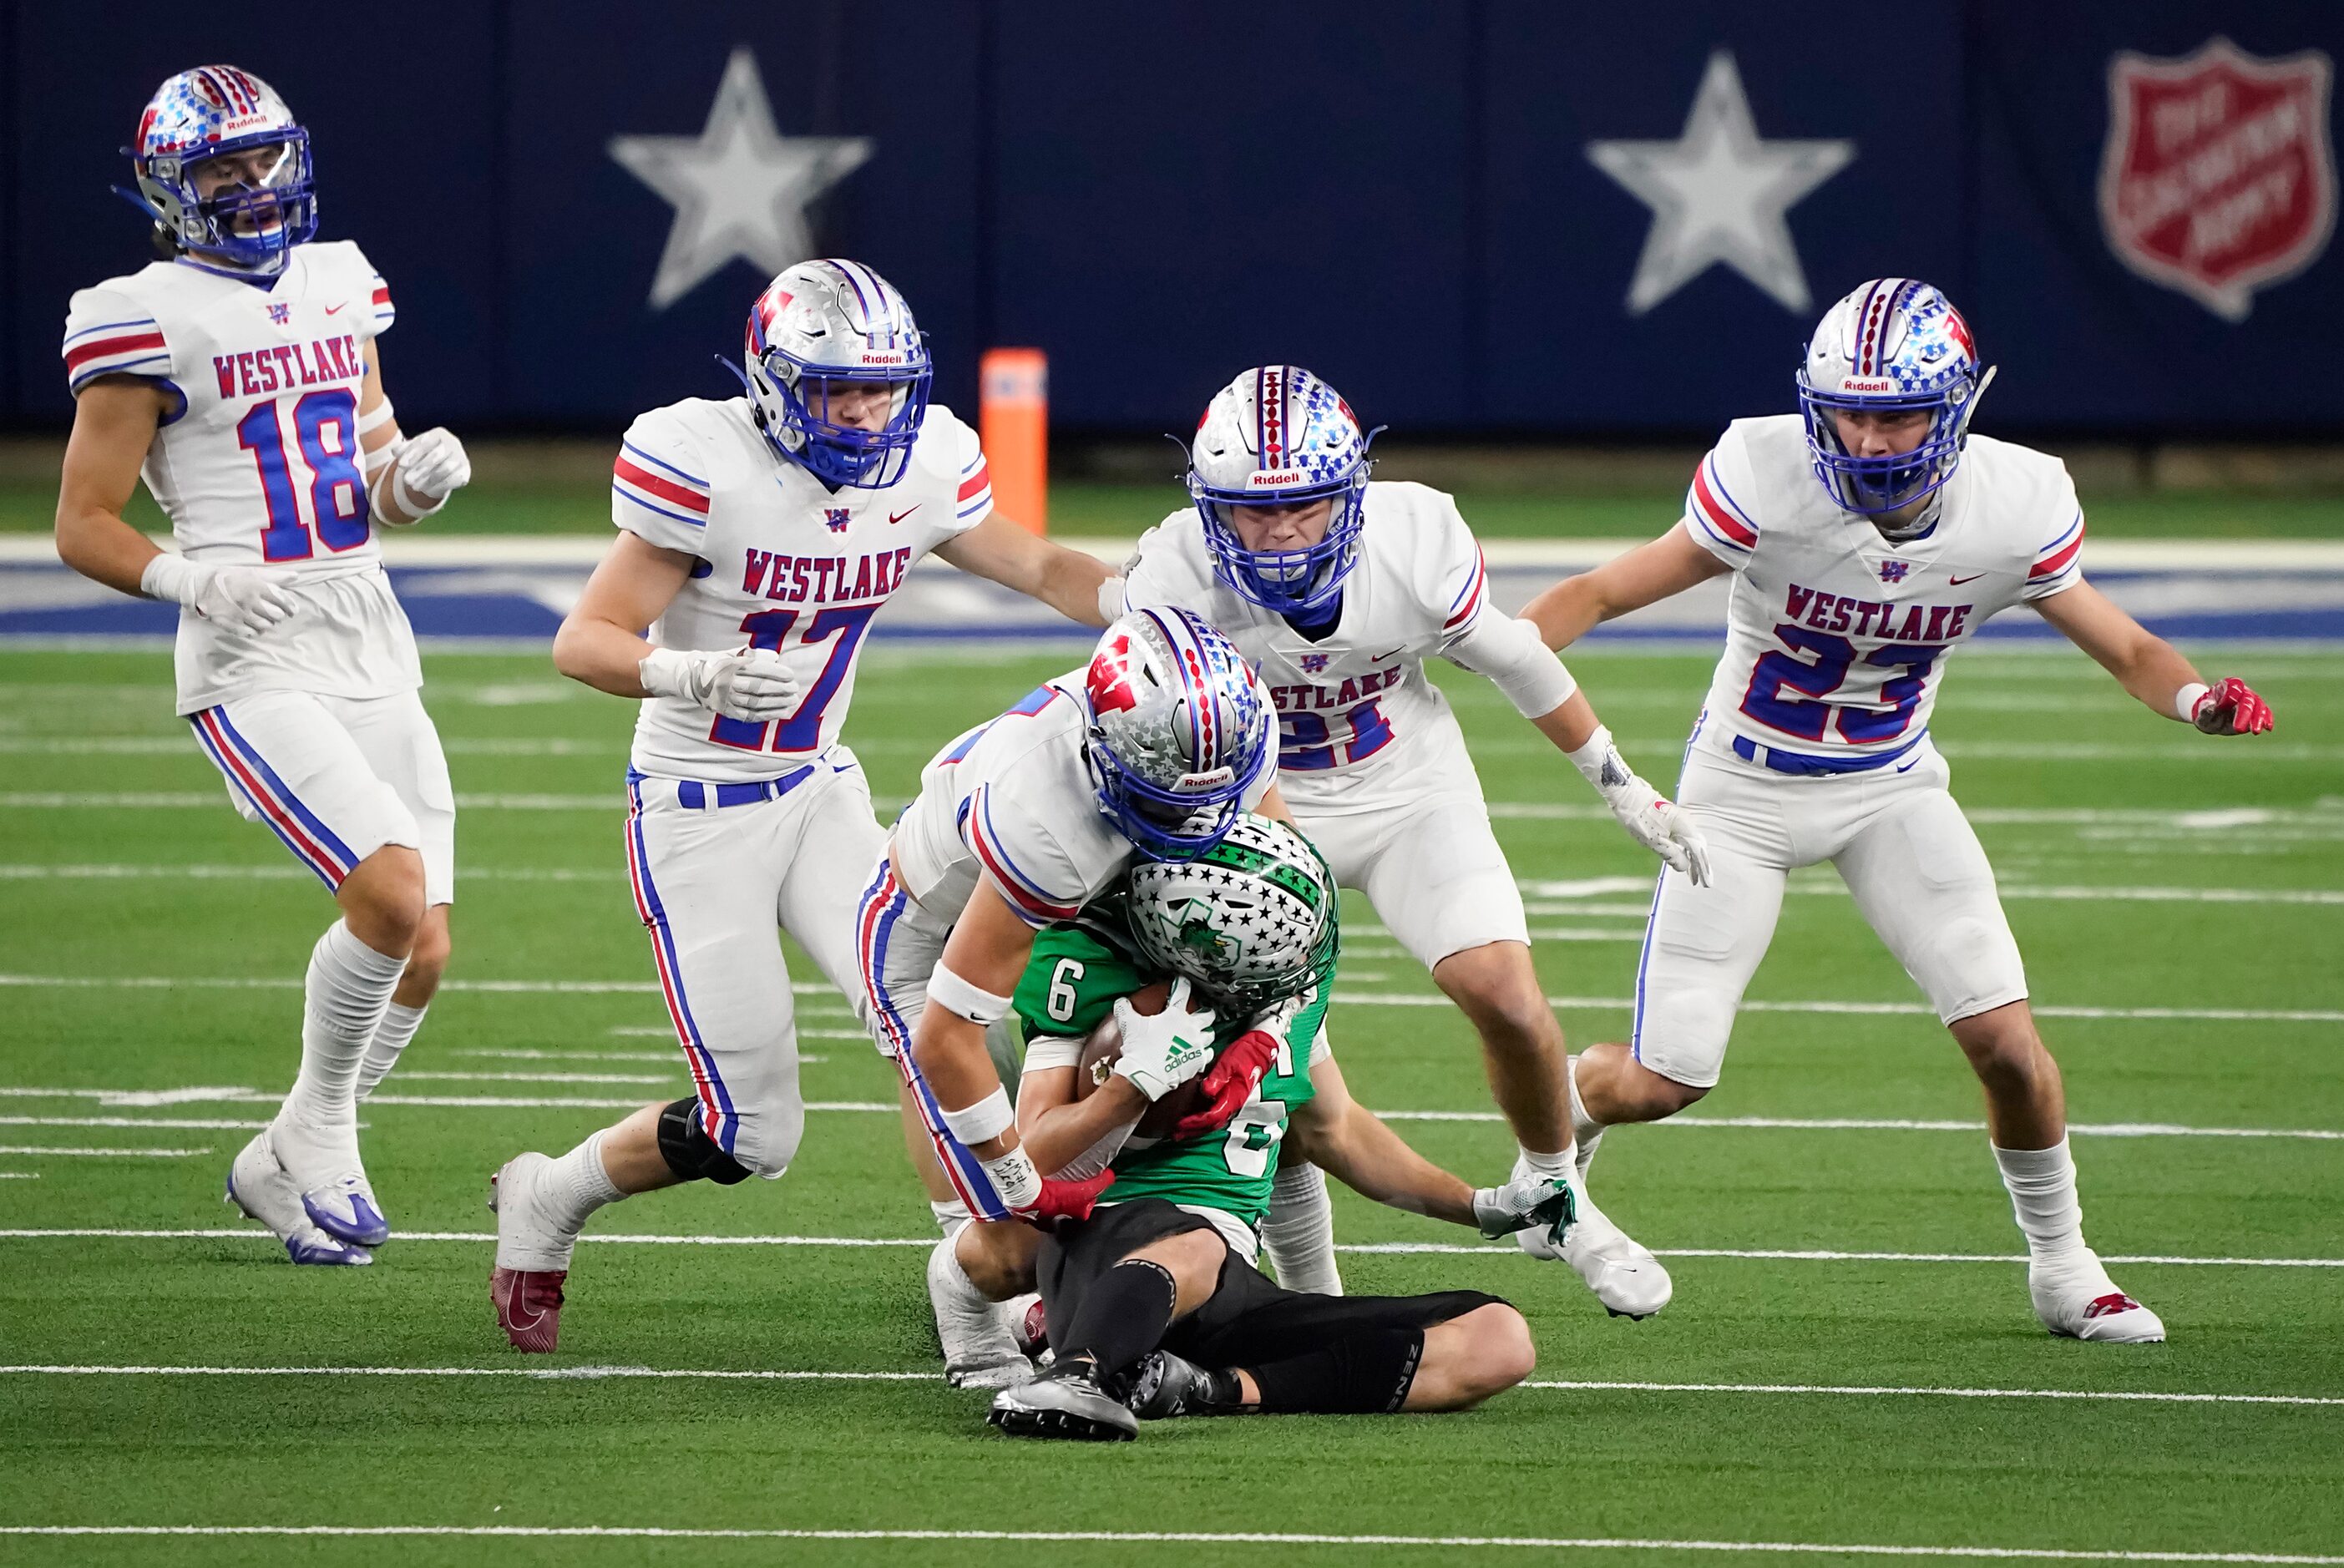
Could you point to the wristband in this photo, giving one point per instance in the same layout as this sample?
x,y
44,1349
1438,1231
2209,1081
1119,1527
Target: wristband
x,y
949,991
664,672
374,418
1599,761
1110,600
1015,1178
983,1122
2185,701
171,577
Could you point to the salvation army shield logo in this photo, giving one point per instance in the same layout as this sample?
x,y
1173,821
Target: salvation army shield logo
x,y
2219,173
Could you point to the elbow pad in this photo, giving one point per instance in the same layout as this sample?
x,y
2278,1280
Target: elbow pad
x,y
1516,659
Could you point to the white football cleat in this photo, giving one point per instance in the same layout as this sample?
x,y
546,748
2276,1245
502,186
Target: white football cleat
x,y
258,1186
1621,1271
979,1337
2085,1304
532,1255
323,1165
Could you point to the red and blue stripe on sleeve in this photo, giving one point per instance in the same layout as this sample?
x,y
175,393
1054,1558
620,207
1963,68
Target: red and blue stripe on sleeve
x,y
1467,603
1714,513
129,346
658,486
976,498
2058,563
1033,904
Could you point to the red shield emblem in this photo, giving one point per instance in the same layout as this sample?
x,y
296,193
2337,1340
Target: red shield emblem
x,y
2219,174
1110,679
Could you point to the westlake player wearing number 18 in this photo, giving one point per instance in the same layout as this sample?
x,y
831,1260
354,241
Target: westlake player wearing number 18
x,y
241,375
1847,598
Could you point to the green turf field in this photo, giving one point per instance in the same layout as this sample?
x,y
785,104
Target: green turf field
x,y
1121,511
2184,897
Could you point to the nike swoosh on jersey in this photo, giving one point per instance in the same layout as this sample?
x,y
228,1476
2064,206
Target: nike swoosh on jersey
x,y
1395,653
895,517
1957,581
334,310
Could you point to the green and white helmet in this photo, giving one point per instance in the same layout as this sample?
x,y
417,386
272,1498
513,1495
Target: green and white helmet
x,y
1251,922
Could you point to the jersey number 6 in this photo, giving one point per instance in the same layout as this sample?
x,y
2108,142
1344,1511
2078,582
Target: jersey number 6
x,y
801,731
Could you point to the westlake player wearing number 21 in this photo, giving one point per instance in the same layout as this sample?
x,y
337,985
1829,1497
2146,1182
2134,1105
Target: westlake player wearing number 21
x,y
241,376
1847,598
757,538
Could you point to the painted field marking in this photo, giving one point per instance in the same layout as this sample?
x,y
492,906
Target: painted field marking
x,y
2201,819
180,1124
1691,1122
1553,900
1177,1537
662,1057
183,800
1397,1249
20,1176
810,987
284,872
102,1153
1572,1385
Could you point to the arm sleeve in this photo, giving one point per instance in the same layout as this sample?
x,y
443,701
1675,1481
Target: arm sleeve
x,y
657,491
1512,654
2058,564
1024,861
108,334
1714,514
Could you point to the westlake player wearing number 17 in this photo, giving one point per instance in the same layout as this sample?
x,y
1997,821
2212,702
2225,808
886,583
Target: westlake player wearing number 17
x,y
1814,745
242,377
758,536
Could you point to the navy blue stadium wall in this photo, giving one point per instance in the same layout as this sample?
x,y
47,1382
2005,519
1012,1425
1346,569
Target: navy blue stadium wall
x,y
1501,216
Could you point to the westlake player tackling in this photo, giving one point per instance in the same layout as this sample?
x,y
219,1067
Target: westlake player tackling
x,y
241,378
758,536
1848,597
1154,1305
1338,589
1152,750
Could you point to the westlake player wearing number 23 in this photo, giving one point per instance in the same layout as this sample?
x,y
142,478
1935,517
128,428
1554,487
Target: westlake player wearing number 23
x,y
757,538
241,376
1848,597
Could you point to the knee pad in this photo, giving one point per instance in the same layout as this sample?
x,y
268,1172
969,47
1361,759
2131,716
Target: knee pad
x,y
690,1152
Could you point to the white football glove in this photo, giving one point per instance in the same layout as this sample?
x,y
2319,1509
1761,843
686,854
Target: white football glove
x,y
1651,818
246,599
1162,1052
1525,1202
432,468
755,684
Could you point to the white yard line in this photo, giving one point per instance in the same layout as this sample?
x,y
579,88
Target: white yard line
x,y
177,1124
1433,1248
1178,1537
102,1153
1902,1124
810,987
285,873
20,1176
414,1078
726,1374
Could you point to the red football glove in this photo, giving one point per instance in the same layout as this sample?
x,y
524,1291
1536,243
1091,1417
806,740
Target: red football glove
x,y
1231,1082
2231,708
1063,1201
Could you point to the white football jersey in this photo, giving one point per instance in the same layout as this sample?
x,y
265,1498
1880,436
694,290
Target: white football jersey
x,y
1012,800
259,462
784,563
1836,638
1359,726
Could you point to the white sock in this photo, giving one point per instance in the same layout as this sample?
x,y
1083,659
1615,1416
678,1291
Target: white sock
x,y
578,1183
1584,1128
951,1214
2042,1183
390,1037
954,1279
1534,1163
1298,1232
349,985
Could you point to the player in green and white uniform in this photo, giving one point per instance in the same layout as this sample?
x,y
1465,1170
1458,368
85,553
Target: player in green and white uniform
x,y
1153,1304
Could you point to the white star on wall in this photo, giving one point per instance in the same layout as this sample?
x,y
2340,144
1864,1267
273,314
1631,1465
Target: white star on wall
x,y
740,188
1719,193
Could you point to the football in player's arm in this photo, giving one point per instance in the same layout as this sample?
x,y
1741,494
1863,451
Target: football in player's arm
x,y
1153,1301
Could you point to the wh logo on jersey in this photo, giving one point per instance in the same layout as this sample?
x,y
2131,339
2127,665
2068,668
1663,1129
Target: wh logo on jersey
x,y
835,517
1893,571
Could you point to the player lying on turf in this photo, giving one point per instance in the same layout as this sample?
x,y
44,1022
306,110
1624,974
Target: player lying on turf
x,y
1154,1305
1151,750
243,372
1338,589
758,536
1848,596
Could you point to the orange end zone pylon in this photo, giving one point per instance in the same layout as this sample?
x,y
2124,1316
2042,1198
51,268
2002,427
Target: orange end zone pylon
x,y
1014,421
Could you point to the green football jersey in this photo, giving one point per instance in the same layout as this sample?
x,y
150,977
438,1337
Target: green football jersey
x,y
1071,985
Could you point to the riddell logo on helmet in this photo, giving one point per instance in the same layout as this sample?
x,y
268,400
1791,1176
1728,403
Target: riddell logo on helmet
x,y
1274,479
883,359
1868,384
